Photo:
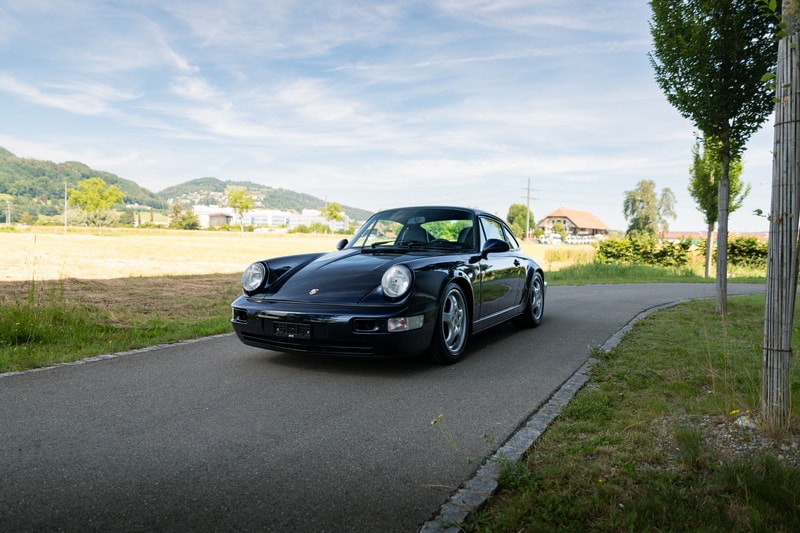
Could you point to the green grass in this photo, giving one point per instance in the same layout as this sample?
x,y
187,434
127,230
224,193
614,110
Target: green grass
x,y
46,323
633,452
591,273
50,322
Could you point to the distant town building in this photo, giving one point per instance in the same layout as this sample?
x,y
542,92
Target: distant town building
x,y
211,216
578,223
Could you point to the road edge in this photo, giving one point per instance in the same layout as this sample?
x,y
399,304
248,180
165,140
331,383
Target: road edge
x,y
476,491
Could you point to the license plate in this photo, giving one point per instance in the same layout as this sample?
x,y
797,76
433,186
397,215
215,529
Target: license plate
x,y
292,330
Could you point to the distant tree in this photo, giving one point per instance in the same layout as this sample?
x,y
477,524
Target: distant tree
x,y
241,202
558,227
709,58
646,212
319,227
190,220
95,199
181,218
26,219
704,174
516,219
175,210
332,211
126,218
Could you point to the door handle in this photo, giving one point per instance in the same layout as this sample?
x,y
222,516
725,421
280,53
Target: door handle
x,y
516,262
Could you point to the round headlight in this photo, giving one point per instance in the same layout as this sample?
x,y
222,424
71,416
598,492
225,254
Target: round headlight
x,y
396,281
253,277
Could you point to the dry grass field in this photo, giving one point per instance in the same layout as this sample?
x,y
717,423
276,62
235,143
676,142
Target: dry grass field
x,y
64,296
49,254
132,273
44,253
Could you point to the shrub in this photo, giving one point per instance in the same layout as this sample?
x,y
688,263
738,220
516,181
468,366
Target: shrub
x,y
748,252
643,251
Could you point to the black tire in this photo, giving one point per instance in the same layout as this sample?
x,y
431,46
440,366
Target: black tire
x,y
452,326
534,308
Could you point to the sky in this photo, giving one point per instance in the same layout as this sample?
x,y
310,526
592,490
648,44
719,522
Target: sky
x,y
372,104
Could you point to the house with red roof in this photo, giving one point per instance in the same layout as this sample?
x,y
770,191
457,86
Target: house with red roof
x,y
578,223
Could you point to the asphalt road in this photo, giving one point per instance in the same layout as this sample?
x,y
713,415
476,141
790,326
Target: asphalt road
x,y
213,435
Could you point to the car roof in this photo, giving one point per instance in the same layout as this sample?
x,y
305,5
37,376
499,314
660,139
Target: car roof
x,y
423,208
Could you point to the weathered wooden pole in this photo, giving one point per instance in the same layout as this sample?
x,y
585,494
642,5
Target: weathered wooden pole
x,y
782,255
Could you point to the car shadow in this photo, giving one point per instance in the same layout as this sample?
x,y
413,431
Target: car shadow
x,y
366,366
479,345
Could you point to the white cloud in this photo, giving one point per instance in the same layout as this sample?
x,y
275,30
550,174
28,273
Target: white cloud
x,y
78,97
368,102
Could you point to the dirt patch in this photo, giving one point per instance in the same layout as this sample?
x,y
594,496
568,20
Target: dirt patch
x,y
123,301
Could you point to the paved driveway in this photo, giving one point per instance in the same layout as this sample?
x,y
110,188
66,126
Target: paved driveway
x,y
213,435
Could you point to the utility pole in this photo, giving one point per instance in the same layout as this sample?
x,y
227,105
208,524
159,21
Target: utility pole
x,y
8,213
528,212
528,199
65,208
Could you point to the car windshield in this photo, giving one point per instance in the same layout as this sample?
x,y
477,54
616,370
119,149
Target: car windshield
x,y
403,229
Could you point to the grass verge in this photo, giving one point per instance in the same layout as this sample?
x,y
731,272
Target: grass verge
x,y
656,441
48,322
588,273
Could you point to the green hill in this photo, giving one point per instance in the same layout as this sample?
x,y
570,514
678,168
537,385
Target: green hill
x,y
211,191
36,187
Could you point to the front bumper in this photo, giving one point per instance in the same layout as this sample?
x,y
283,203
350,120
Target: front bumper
x,y
330,329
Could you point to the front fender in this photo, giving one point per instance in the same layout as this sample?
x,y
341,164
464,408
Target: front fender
x,y
432,283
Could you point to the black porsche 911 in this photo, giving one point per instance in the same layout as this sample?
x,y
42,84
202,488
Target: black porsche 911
x,y
412,280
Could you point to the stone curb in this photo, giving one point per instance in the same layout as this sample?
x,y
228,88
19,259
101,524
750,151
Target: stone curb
x,y
483,484
475,492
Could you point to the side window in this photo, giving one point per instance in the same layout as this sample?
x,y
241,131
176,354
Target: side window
x,y
491,230
510,239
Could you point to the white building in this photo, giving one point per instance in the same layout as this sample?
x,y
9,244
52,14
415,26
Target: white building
x,y
215,216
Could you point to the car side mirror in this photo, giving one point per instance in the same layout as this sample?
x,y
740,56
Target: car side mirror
x,y
492,246
341,244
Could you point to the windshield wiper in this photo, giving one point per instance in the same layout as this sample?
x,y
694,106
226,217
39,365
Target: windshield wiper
x,y
381,247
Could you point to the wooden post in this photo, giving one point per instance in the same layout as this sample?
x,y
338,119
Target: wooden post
x,y
783,230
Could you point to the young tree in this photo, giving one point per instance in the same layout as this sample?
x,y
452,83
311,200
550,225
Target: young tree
x,y
646,212
95,199
560,229
181,218
704,174
332,211
241,202
709,58
518,222
781,289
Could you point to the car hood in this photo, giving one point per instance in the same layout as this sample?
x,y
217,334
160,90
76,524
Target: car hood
x,y
345,277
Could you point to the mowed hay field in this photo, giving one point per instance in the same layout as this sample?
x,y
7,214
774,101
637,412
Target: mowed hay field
x,y
51,254
66,296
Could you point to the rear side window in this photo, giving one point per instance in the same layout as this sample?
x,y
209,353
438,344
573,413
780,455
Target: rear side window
x,y
492,229
510,239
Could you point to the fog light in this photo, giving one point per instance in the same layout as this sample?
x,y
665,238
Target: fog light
x,y
405,323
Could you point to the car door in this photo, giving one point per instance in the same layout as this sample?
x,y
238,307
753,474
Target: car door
x,y
502,274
